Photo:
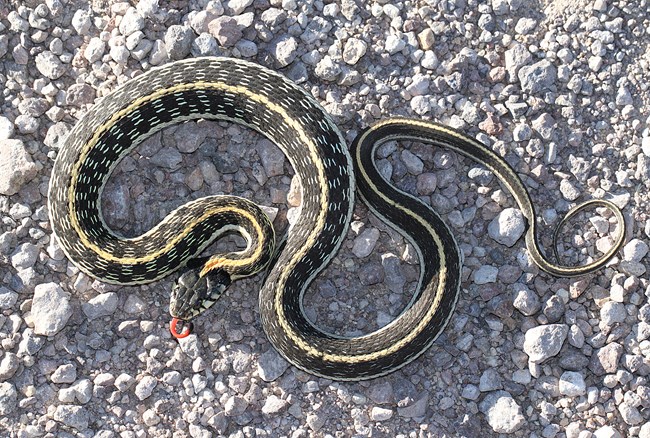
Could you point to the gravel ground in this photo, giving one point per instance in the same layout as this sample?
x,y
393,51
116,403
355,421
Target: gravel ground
x,y
559,89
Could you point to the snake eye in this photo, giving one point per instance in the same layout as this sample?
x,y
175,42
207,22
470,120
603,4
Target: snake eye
x,y
194,293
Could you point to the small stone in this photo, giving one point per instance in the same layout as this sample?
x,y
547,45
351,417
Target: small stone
x,y
380,414
605,361
131,22
6,128
94,50
508,227
81,21
273,405
394,44
569,191
486,274
354,50
554,309
537,77
381,392
415,410
612,312
365,242
544,341
145,387
502,412
471,392
50,309
75,417
516,57
225,30
123,382
607,432
630,414
490,380
271,365
526,301
635,250
64,374
8,398
272,158
16,166
102,305
285,51
235,406
80,94
178,41
24,256
327,69
572,384
8,366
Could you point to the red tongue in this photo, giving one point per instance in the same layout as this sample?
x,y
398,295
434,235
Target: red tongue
x,y
187,328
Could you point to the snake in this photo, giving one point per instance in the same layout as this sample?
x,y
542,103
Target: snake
x,y
331,174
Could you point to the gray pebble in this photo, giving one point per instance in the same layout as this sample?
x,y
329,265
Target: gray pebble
x,y
205,45
635,250
30,343
272,158
417,409
508,227
471,392
123,382
381,392
327,69
7,298
274,405
380,414
413,163
8,366
502,412
537,77
612,313
79,95
94,50
516,57
50,309
572,384
365,242
544,341
102,305
554,309
225,30
8,398
284,50
16,166
75,417
526,301
145,387
81,21
64,374
486,274
354,50
605,360
271,365
131,22
178,41
490,380
235,406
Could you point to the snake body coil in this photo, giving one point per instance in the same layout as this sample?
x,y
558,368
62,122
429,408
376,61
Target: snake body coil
x,y
248,94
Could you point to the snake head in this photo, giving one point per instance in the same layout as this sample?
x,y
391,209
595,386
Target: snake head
x,y
194,292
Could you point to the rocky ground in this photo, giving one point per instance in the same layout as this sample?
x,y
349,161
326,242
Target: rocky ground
x,y
559,89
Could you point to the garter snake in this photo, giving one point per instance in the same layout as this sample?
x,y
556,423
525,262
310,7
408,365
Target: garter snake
x,y
254,96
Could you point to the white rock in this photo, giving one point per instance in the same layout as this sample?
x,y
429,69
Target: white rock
x,y
50,309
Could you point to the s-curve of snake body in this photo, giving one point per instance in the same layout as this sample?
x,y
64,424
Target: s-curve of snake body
x,y
330,173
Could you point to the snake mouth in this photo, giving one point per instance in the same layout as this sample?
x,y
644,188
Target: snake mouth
x,y
185,327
